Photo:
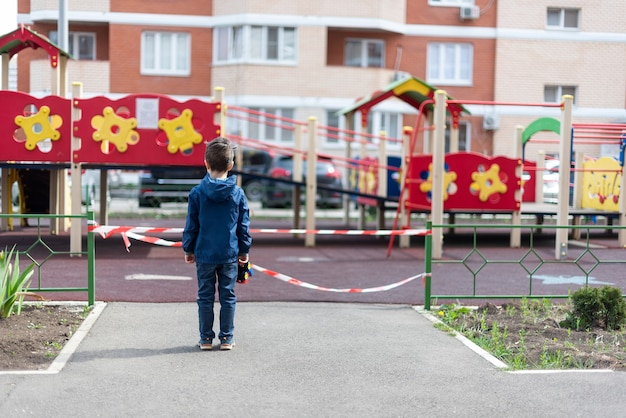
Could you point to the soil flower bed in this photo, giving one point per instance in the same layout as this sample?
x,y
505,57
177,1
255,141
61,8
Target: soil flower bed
x,y
527,335
33,339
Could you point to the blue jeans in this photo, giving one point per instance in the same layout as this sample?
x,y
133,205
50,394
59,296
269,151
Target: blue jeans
x,y
226,276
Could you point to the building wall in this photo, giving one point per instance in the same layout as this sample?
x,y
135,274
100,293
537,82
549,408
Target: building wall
x,y
608,16
529,56
391,10
125,41
187,7
94,76
73,5
419,12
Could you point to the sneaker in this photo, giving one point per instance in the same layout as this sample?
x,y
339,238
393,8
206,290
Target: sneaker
x,y
227,345
206,345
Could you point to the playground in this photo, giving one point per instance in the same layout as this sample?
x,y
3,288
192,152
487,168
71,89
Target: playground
x,y
47,135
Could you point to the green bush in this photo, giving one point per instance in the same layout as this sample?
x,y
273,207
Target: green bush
x,y
593,306
614,312
13,283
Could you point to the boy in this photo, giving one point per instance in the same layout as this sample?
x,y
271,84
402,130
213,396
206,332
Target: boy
x,y
217,238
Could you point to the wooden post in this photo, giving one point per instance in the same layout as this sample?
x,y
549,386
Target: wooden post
x,y
562,219
407,154
348,148
516,217
362,175
76,227
382,180
436,207
621,233
297,176
311,181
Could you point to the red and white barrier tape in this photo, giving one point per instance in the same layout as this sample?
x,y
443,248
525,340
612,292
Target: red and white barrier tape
x,y
108,230
296,282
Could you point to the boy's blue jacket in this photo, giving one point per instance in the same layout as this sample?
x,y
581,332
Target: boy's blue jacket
x,y
217,228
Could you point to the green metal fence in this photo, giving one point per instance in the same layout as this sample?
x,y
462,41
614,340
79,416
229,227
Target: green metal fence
x,y
42,249
476,269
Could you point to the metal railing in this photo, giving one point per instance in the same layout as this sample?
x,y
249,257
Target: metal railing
x,y
477,269
45,249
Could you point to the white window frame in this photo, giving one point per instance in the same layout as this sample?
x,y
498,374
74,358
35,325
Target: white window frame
x,y
270,129
436,55
559,92
174,68
74,43
364,60
251,44
561,25
451,3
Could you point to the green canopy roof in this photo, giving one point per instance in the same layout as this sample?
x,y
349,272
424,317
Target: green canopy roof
x,y
411,90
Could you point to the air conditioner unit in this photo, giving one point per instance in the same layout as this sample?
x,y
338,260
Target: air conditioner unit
x,y
400,75
470,12
491,122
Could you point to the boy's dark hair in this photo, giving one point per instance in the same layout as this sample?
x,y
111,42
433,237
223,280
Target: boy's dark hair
x,y
219,154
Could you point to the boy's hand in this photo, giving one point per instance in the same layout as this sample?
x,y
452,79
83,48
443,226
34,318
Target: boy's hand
x,y
243,259
190,258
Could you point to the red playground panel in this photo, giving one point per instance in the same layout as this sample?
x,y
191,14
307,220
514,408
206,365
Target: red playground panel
x,y
34,129
471,181
144,129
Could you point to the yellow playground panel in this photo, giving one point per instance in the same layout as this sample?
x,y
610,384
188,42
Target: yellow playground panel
x,y
601,184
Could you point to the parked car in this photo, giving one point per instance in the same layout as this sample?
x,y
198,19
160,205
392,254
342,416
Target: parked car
x,y
551,181
172,184
167,184
279,192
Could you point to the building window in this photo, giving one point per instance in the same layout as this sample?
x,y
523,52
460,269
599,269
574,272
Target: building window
x,y
258,44
165,53
464,136
333,120
450,63
81,45
451,2
364,53
554,94
563,18
271,124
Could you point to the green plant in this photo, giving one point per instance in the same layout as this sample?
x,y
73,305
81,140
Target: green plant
x,y
13,283
604,307
614,307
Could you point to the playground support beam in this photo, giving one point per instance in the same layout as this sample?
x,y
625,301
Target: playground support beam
x,y
562,219
407,153
621,234
75,228
516,217
297,176
439,146
382,179
311,181
346,197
